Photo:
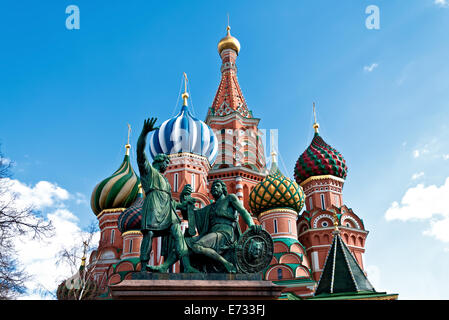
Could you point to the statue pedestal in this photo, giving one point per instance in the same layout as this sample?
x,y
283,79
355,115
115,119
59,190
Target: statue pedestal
x,y
195,286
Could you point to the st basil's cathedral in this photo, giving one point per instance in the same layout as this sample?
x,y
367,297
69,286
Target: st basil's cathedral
x,y
319,242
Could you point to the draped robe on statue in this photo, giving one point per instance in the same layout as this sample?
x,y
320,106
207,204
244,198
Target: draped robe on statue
x,y
220,226
158,209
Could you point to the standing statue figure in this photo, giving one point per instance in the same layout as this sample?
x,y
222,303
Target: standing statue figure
x,y
217,225
159,216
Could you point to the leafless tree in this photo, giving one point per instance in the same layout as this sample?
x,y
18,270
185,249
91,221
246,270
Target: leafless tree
x,y
80,286
14,222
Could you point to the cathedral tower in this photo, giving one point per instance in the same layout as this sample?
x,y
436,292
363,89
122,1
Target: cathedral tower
x,y
321,171
240,161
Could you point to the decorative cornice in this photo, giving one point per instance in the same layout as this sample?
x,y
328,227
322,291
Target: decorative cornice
x,y
132,232
281,210
323,177
113,210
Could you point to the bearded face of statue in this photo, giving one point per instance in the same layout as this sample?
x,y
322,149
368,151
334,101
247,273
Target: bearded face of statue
x,y
216,190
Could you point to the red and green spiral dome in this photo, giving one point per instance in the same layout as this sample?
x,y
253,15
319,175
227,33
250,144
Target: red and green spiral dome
x,y
320,159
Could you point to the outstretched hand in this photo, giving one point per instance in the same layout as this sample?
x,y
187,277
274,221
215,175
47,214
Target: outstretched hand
x,y
256,228
148,125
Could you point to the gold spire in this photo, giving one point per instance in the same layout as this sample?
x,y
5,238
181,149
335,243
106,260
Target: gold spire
x,y
128,146
315,124
83,259
185,95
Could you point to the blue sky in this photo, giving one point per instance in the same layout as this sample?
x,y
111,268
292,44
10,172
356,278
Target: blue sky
x,y
382,98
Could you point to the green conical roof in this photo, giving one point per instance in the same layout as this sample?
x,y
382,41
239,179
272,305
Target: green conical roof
x,y
342,273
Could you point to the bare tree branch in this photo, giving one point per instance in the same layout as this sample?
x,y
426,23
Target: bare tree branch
x,y
15,221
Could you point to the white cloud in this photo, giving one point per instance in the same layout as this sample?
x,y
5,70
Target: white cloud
x,y
39,257
419,152
43,195
371,67
446,156
80,198
424,203
418,175
439,229
442,3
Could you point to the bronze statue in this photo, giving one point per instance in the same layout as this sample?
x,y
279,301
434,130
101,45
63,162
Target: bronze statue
x,y
219,245
218,227
159,216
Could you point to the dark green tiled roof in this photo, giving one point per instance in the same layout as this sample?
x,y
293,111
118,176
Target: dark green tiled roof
x,y
342,273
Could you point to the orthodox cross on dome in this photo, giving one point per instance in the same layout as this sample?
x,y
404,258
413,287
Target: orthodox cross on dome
x,y
315,124
273,149
185,95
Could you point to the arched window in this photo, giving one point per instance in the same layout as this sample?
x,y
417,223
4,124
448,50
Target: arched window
x,y
175,183
131,245
275,223
112,236
323,204
279,273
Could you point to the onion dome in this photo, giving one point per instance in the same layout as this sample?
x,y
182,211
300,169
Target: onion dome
x,y
319,159
185,133
229,42
117,191
79,286
276,191
131,218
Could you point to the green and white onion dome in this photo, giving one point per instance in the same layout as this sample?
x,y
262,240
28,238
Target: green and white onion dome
x,y
117,191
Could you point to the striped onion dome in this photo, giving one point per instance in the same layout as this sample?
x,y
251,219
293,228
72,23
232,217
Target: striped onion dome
x,y
275,192
320,159
131,218
185,133
117,191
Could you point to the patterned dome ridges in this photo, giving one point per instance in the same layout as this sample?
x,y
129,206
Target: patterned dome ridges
x,y
117,191
275,192
320,159
185,133
131,218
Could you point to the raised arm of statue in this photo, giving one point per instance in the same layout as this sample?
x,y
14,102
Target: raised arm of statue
x,y
142,160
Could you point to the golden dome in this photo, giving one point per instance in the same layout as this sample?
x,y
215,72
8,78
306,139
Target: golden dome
x,y
276,191
229,42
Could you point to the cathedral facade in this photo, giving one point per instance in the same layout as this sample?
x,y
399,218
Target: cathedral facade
x,y
301,214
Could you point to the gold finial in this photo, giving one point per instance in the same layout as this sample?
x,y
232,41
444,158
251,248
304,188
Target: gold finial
x,y
185,95
228,42
128,146
315,124
335,222
140,189
83,259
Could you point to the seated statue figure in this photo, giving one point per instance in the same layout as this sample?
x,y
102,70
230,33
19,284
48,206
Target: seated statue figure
x,y
218,231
